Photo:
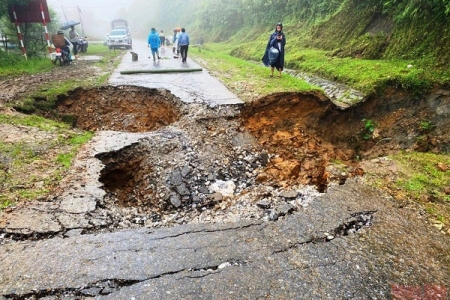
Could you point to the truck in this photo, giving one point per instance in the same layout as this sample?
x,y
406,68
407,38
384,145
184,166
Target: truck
x,y
120,36
120,24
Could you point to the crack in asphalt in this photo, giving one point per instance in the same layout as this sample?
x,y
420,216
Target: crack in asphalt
x,y
212,230
109,286
351,225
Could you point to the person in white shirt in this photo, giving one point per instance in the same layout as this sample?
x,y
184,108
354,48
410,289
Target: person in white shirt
x,y
73,38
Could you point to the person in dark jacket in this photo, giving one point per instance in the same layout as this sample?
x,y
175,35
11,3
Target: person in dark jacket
x,y
276,43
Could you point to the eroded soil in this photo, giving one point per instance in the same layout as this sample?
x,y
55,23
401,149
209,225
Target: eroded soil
x,y
157,162
263,151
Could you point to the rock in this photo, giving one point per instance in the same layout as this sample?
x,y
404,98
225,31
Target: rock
x,y
223,265
284,209
175,201
183,190
175,178
289,194
264,203
78,205
226,188
264,157
216,197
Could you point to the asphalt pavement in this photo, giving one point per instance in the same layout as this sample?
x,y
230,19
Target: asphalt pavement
x,y
352,242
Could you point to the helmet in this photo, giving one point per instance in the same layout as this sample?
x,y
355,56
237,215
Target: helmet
x,y
280,24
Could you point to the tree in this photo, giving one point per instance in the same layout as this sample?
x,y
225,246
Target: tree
x,y
33,33
4,4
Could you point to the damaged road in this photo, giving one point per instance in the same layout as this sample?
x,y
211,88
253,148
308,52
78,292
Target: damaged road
x,y
187,193
316,253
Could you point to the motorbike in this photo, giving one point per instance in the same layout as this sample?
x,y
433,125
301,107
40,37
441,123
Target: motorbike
x,y
82,45
62,56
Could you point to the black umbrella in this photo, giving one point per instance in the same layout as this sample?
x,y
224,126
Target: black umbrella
x,y
69,24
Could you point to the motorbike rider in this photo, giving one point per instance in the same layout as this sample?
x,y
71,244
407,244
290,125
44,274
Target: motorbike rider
x,y
65,50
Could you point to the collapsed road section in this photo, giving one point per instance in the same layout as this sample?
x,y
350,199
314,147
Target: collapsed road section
x,y
172,200
156,161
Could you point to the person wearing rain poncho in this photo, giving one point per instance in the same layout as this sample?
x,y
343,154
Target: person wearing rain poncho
x,y
274,54
154,43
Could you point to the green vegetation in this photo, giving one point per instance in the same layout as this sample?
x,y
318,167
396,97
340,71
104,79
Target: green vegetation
x,y
369,128
33,121
49,155
369,45
427,177
45,98
30,169
14,64
246,78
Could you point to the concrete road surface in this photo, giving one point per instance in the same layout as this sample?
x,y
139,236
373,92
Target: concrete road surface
x,y
196,86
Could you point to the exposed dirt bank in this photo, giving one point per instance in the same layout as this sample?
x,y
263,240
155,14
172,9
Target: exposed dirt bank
x,y
262,150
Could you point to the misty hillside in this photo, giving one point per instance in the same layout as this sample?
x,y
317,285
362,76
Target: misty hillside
x,y
371,29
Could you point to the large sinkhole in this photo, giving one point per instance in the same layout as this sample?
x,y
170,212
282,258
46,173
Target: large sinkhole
x,y
122,108
258,153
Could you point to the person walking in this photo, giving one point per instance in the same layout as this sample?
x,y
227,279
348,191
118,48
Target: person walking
x,y
154,43
162,38
183,42
176,48
274,53
73,38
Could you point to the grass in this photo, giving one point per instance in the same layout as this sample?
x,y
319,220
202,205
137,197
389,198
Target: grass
x,y
14,65
244,78
363,74
427,177
30,169
33,121
50,90
366,75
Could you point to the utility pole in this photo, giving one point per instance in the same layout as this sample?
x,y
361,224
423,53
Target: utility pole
x,y
81,22
64,13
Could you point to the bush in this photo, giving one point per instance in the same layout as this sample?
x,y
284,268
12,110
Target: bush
x,y
9,59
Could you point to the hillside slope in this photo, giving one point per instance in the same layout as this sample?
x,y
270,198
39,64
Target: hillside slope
x,y
372,29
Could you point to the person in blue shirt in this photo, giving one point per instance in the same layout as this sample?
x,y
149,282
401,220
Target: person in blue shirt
x,y
154,43
183,42
277,41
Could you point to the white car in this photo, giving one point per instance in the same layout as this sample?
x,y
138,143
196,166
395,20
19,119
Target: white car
x,y
119,38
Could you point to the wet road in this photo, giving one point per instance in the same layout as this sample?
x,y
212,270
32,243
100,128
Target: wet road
x,y
196,86
314,253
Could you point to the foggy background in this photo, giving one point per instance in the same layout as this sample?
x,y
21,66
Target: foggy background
x,y
142,15
95,16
